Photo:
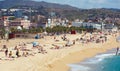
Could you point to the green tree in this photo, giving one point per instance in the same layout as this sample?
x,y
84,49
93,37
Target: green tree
x,y
2,33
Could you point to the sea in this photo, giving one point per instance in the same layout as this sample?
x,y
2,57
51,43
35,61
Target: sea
x,y
101,62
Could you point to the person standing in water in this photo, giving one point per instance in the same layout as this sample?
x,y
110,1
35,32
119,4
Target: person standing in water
x,y
17,53
117,50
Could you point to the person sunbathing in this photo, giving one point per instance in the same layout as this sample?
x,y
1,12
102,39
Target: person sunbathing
x,y
41,50
73,42
4,47
57,40
25,54
55,46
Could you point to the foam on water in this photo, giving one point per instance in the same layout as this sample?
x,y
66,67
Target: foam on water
x,y
101,62
86,65
97,59
75,67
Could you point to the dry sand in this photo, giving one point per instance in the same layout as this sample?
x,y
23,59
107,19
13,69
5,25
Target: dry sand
x,y
54,60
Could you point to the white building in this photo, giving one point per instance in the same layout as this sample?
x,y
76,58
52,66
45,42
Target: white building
x,y
13,10
76,24
49,22
94,25
3,9
86,24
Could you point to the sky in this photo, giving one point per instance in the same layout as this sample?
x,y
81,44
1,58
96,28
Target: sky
x,y
87,4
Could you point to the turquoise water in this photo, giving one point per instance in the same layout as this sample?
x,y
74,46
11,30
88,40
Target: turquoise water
x,y
109,64
102,62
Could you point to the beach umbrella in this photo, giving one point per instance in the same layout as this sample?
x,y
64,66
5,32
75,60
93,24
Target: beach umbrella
x,y
45,33
19,28
35,44
37,36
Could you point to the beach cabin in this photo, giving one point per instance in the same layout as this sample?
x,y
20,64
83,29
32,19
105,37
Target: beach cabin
x,y
11,35
73,32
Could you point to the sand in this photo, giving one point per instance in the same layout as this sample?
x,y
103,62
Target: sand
x,y
55,59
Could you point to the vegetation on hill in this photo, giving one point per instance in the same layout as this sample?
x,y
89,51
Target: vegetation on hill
x,y
64,11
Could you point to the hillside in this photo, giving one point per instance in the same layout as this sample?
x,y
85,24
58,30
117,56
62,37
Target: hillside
x,y
67,11
12,3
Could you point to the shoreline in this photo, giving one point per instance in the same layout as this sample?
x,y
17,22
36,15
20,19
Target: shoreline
x,y
62,64
94,63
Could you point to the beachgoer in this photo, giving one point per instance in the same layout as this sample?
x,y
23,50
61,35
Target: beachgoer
x,y
24,54
73,42
27,53
4,47
102,41
17,53
6,52
105,38
15,48
117,50
10,54
54,37
7,40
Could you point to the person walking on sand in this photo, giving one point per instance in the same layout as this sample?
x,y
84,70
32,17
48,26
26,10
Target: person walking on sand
x,y
6,52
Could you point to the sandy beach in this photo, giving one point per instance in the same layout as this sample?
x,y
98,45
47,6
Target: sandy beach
x,y
54,59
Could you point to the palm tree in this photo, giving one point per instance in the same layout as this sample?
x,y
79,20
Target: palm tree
x,y
48,29
13,30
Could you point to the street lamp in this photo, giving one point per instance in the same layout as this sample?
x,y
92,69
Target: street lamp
x,y
101,20
7,30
